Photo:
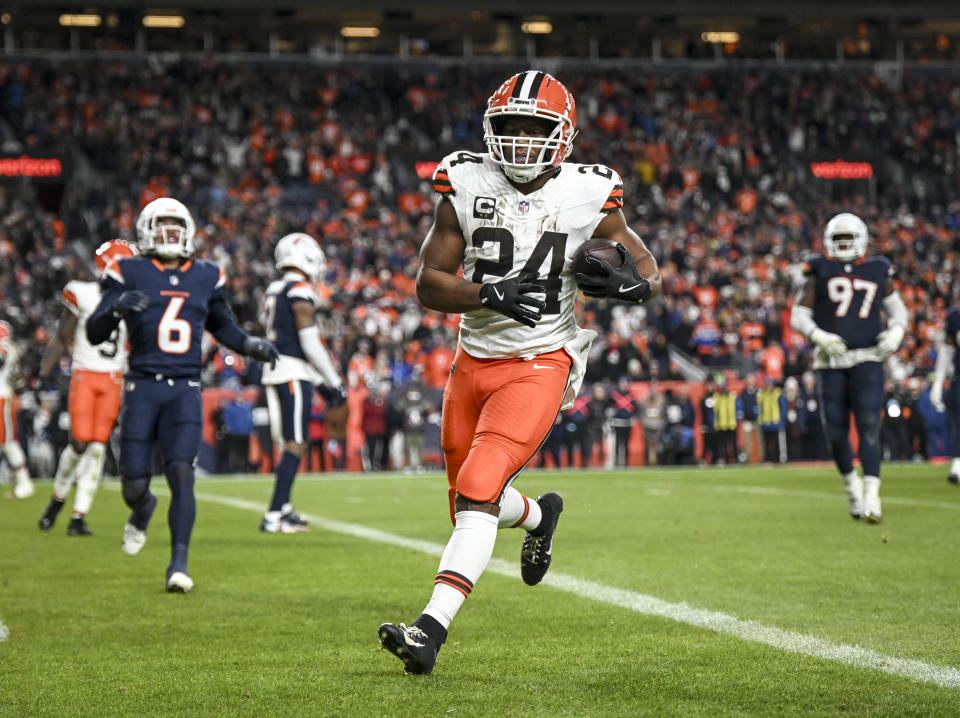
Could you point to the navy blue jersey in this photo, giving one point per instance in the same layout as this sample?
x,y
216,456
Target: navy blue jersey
x,y
165,338
848,297
953,336
278,316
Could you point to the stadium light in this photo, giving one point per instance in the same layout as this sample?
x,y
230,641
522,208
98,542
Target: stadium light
x,y
6,18
721,38
537,27
167,21
80,20
359,31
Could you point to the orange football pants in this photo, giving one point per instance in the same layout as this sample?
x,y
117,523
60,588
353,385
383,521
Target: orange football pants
x,y
496,415
94,405
8,419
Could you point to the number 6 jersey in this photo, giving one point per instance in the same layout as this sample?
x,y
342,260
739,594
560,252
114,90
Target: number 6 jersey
x,y
81,298
508,232
165,338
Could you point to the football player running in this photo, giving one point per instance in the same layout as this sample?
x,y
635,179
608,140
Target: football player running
x,y
9,439
167,299
289,314
512,219
949,358
838,309
96,392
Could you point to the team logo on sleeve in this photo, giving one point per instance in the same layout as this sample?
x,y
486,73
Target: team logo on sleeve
x,y
483,207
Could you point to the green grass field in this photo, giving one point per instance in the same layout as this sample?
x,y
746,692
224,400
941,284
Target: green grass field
x,y
702,592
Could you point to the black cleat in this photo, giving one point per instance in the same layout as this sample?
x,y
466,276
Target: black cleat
x,y
295,519
535,552
78,527
953,479
49,515
411,645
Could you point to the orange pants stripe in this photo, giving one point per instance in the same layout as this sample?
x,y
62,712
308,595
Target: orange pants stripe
x,y
496,414
94,404
8,419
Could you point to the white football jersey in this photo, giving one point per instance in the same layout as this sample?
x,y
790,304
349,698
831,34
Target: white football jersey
x,y
81,298
10,369
508,232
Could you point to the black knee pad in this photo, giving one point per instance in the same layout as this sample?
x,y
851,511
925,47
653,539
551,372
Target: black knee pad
x,y
868,427
135,491
179,474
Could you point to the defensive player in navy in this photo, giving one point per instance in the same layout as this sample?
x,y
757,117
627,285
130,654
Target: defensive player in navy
x,y
167,299
949,358
289,314
839,311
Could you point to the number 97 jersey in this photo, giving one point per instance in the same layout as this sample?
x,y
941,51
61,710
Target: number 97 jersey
x,y
848,296
508,233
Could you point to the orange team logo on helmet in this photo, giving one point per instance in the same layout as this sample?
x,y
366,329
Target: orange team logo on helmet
x,y
531,94
112,250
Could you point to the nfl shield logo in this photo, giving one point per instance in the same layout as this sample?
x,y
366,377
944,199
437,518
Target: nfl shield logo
x,y
523,206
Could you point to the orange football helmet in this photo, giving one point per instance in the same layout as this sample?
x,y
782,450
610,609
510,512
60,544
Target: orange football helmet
x,y
530,94
114,249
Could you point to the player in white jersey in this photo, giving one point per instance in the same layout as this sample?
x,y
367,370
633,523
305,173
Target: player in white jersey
x,y
9,440
512,219
96,387
290,308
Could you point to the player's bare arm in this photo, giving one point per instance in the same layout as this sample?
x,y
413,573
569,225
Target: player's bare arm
x,y
438,286
66,328
614,227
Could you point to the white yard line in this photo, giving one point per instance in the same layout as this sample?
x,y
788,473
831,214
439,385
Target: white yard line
x,y
753,631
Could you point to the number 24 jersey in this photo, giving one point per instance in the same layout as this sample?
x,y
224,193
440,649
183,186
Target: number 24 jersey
x,y
508,232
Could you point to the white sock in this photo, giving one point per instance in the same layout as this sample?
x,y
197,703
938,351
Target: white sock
x,y
955,466
516,510
851,477
89,470
64,477
466,556
871,485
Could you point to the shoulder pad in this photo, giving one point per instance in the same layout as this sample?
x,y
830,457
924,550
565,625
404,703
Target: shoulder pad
x,y
303,290
69,297
453,169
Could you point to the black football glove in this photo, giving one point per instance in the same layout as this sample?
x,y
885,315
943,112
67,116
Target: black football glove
x,y
131,301
333,396
623,282
512,298
261,350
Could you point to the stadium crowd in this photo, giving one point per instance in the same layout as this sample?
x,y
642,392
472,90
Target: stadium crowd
x,y
716,169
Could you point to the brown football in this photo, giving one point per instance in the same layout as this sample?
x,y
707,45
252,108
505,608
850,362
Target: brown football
x,y
595,247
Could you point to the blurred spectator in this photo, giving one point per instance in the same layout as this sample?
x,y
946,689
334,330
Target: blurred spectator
x,y
814,440
725,423
748,412
773,415
653,418
376,426
623,415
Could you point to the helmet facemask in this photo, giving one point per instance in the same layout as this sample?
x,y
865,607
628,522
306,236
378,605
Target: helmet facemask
x,y
845,238
525,157
169,237
165,228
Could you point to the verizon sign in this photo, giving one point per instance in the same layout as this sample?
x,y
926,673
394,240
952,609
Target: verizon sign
x,y
31,167
841,170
